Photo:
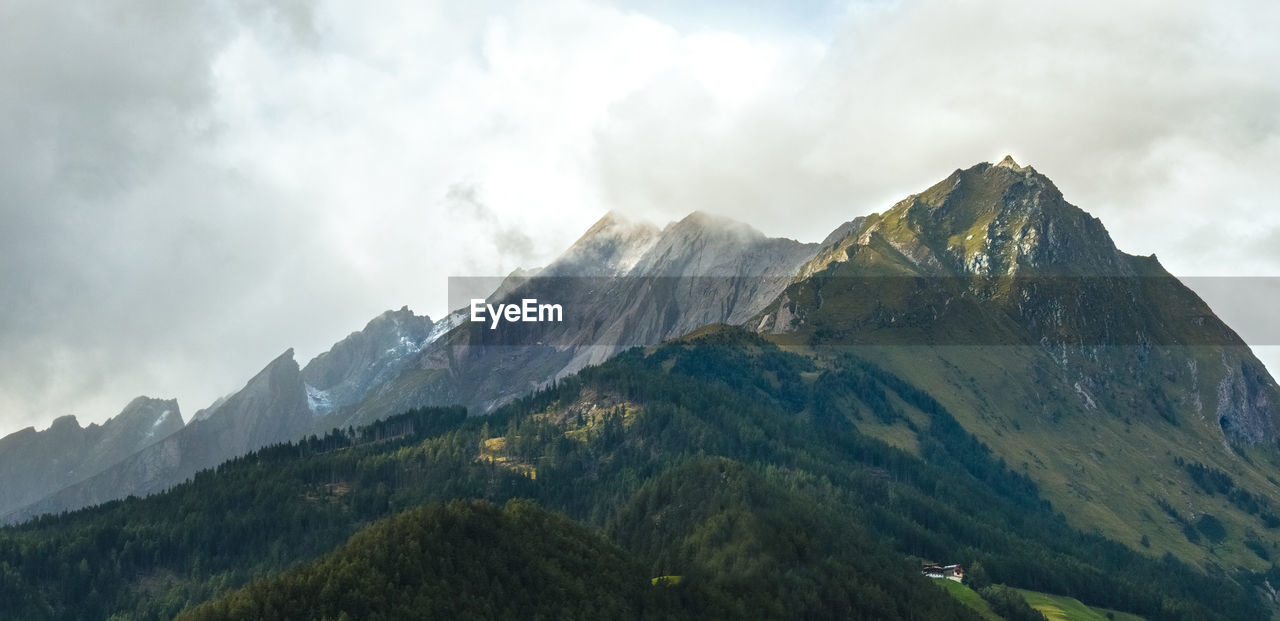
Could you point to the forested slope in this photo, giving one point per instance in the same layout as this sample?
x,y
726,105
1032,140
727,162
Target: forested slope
x,y
463,560
720,458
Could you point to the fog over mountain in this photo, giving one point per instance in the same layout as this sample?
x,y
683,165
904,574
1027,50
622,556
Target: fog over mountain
x,y
189,191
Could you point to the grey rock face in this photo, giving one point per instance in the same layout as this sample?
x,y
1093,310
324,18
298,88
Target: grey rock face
x,y
364,359
142,423
34,464
1246,407
271,408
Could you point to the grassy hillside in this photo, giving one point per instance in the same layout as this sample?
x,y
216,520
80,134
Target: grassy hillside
x,y
970,598
1103,468
1053,607
1061,608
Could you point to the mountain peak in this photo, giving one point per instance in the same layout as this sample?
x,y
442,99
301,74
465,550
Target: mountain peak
x,y
983,220
703,218
389,319
66,421
614,222
282,370
1008,162
610,247
343,374
149,410
700,222
708,219
613,217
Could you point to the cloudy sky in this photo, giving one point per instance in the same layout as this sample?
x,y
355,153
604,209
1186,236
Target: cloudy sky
x,y
188,189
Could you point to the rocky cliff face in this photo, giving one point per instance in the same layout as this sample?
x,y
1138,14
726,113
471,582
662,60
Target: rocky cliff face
x,y
1246,403
34,464
271,408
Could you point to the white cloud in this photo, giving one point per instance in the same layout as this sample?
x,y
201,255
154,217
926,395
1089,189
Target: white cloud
x,y
196,191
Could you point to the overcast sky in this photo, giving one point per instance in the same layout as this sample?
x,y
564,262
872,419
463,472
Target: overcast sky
x,y
189,189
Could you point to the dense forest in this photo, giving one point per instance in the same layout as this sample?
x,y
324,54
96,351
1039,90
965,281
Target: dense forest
x,y
463,560
720,460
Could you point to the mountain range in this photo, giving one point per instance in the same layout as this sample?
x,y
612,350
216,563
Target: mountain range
x,y
985,323
722,271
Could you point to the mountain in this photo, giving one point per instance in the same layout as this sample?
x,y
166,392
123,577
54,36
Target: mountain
x,y
34,463
1100,375
622,284
1000,244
